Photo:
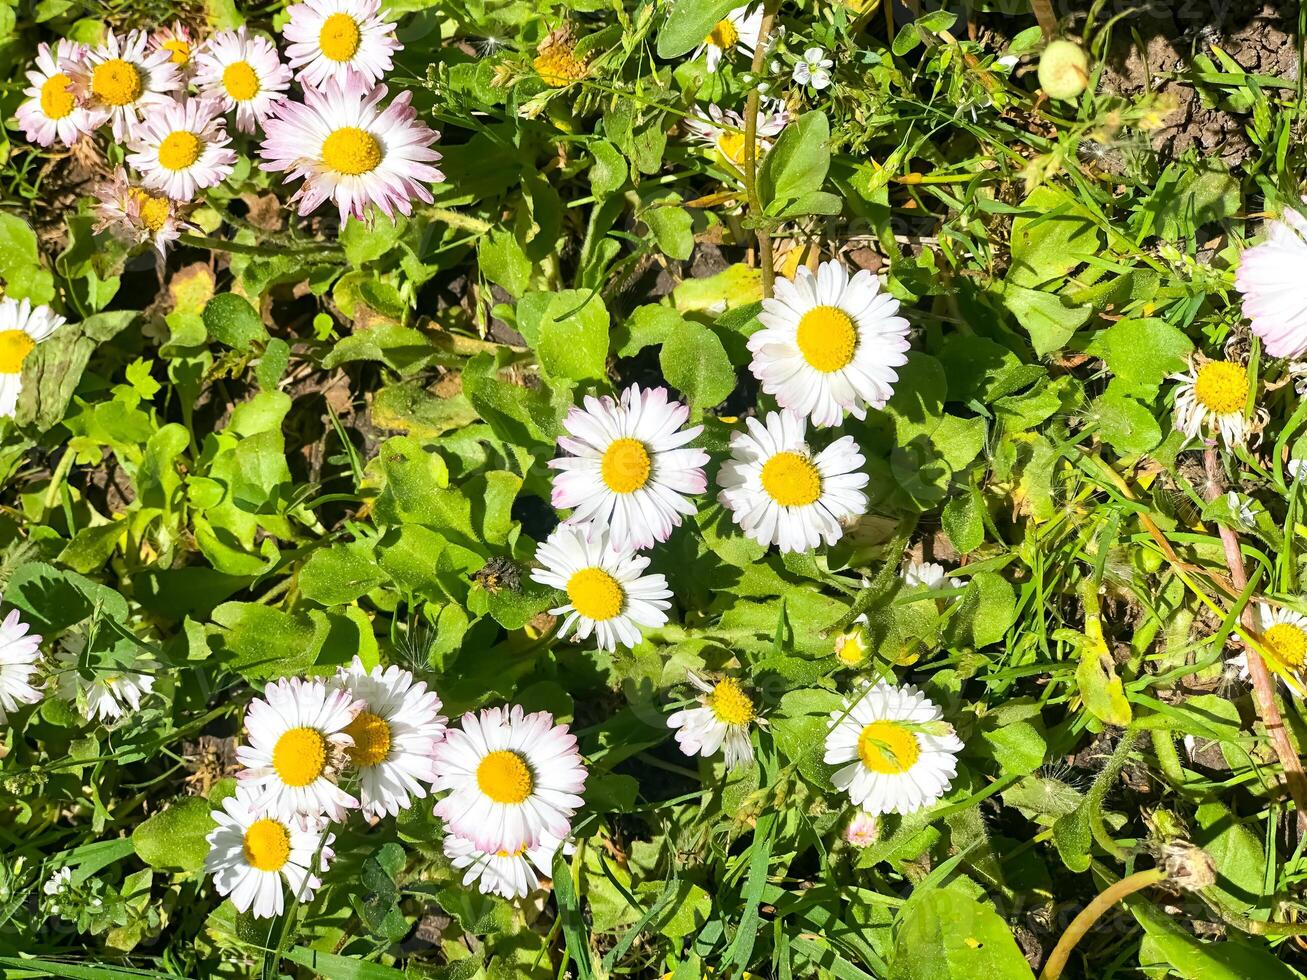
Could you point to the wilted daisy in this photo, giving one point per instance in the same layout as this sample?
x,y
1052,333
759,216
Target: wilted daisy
x,y
862,830
508,874
119,81
813,69
737,31
722,720
896,754
723,130
781,493
53,113
923,574
252,850
242,72
394,734
852,647
1284,635
608,593
830,344
136,216
348,150
630,468
178,41
341,41
513,779
22,327
182,148
298,743
1270,278
556,60
103,692
19,649
1211,398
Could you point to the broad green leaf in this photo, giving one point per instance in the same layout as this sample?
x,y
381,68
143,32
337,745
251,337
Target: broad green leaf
x,y
174,838
21,268
689,22
1140,354
1049,319
231,320
797,163
948,935
696,364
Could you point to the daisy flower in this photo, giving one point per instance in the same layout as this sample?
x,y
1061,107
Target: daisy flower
x,y
862,829
781,493
508,874
341,41
101,692
608,593
18,656
182,148
851,648
1269,279
923,574
629,468
346,149
896,754
556,61
120,80
723,130
177,41
22,327
722,719
251,851
1284,635
829,344
813,69
242,72
393,735
737,31
1211,397
513,779
136,216
52,112
297,745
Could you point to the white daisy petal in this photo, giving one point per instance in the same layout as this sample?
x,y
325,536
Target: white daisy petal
x,y
181,148
508,874
19,653
243,73
120,80
53,111
1269,279
341,41
1211,398
723,719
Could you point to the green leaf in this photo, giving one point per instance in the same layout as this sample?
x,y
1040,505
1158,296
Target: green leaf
x,y
340,574
948,935
1048,318
963,520
648,325
797,163
24,275
573,335
1195,959
1125,424
231,320
673,230
1055,235
1140,354
1018,747
689,23
696,364
174,838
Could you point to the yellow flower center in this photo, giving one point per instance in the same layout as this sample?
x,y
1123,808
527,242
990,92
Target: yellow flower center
x,y
267,845
1288,643
181,50
731,147
851,648
56,101
558,66
154,211
730,704
595,594
1222,387
300,756
339,38
15,345
179,150
116,82
723,35
887,747
371,734
827,338
511,854
351,151
791,480
626,466
239,80
504,777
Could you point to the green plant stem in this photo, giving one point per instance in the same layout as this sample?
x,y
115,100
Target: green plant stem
x,y
751,153
240,248
1091,913
456,219
1043,11
1168,759
1098,793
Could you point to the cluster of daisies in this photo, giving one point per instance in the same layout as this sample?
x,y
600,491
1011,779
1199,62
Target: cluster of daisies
x,y
170,97
829,344
374,740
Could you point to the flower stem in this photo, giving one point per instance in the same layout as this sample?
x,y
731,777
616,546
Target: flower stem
x,y
1091,913
1043,11
751,151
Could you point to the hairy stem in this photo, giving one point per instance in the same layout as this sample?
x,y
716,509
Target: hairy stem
x,y
1092,912
1263,684
751,151
1043,11
1168,759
